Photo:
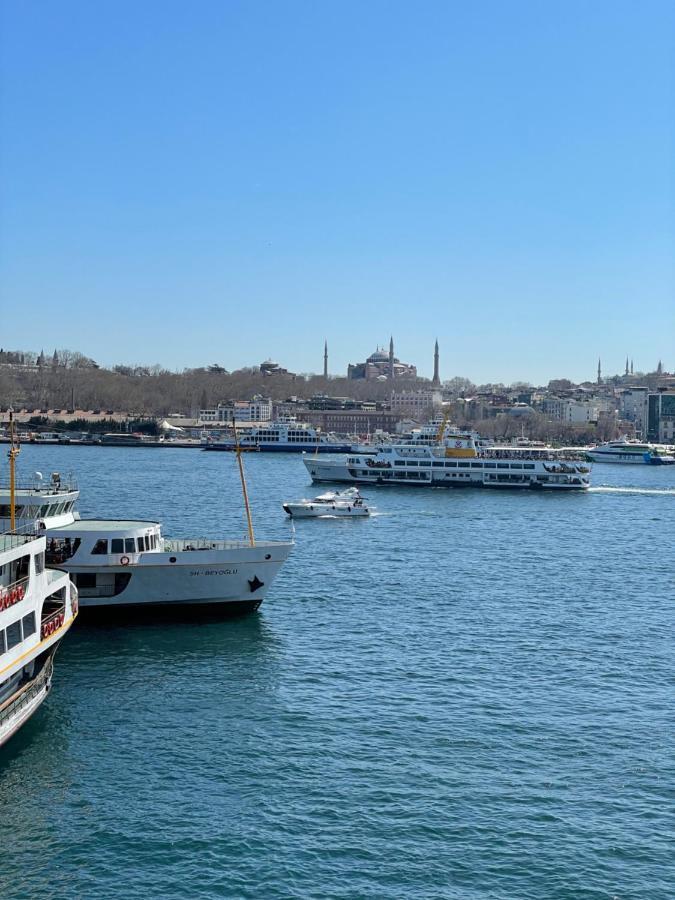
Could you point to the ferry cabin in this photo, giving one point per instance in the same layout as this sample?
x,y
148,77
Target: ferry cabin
x,y
50,502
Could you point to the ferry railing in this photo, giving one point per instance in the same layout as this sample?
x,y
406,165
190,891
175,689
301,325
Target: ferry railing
x,y
51,623
14,704
13,593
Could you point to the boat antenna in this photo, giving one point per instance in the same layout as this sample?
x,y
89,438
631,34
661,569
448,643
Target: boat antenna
x,y
247,505
12,453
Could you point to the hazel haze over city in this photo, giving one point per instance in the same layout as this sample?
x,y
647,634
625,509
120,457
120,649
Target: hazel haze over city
x,y
190,184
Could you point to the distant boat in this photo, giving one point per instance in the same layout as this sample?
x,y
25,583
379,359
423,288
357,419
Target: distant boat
x,y
632,452
283,436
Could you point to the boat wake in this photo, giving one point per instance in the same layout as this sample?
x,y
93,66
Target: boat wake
x,y
632,490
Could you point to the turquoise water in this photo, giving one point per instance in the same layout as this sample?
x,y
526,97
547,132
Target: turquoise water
x,y
468,696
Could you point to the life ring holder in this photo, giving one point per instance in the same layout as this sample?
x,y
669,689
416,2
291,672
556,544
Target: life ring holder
x,y
124,560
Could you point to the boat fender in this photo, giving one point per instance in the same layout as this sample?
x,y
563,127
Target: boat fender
x,y
124,560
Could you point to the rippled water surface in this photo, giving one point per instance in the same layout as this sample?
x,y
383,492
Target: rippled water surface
x,y
468,696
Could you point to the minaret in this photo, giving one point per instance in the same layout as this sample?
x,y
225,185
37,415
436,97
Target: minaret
x,y
626,372
659,368
599,372
631,366
325,359
391,357
436,380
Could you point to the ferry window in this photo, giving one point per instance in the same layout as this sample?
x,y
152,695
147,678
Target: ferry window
x,y
39,563
399,462
20,568
3,645
413,462
28,625
516,465
528,466
425,462
129,545
476,465
502,465
85,580
44,511
464,465
490,465
4,512
437,464
451,465
117,545
13,634
100,547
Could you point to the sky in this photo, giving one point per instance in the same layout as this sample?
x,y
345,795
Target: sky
x,y
189,183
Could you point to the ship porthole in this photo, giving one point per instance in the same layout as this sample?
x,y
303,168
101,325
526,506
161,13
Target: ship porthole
x,y
268,556
172,559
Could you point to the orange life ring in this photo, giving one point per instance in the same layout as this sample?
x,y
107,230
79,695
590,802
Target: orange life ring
x,y
124,560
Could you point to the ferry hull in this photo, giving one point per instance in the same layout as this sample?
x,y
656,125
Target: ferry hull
x,y
227,580
331,472
19,709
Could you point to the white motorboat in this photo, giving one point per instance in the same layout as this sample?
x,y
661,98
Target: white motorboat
x,y
347,504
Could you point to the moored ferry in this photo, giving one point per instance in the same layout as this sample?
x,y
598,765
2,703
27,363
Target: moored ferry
x,y
457,460
283,436
37,607
128,563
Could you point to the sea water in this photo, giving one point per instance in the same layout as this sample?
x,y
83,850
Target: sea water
x,y
469,695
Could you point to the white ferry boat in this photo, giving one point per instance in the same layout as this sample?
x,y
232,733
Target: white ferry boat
x,y
129,564
284,436
633,452
456,460
37,607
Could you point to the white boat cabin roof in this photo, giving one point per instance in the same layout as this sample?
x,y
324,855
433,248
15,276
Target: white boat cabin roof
x,y
109,527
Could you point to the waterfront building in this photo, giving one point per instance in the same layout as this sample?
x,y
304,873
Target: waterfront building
x,y
661,416
634,408
381,365
259,409
415,402
351,421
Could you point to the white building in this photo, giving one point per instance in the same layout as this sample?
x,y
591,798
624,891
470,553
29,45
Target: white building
x,y
257,410
574,412
415,402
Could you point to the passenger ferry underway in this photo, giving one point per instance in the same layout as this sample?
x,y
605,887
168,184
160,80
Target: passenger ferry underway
x,y
37,607
457,461
284,436
627,451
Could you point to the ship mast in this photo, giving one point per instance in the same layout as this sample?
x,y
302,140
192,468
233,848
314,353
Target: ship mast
x,y
249,520
12,453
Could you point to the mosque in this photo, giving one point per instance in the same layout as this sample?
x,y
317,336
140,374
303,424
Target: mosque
x,y
384,366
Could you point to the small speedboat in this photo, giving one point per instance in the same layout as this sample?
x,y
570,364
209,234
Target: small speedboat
x,y
343,504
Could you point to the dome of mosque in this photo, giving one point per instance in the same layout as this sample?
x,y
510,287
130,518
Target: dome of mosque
x,y
378,356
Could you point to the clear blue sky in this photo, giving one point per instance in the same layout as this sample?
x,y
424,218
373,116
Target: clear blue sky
x,y
225,181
